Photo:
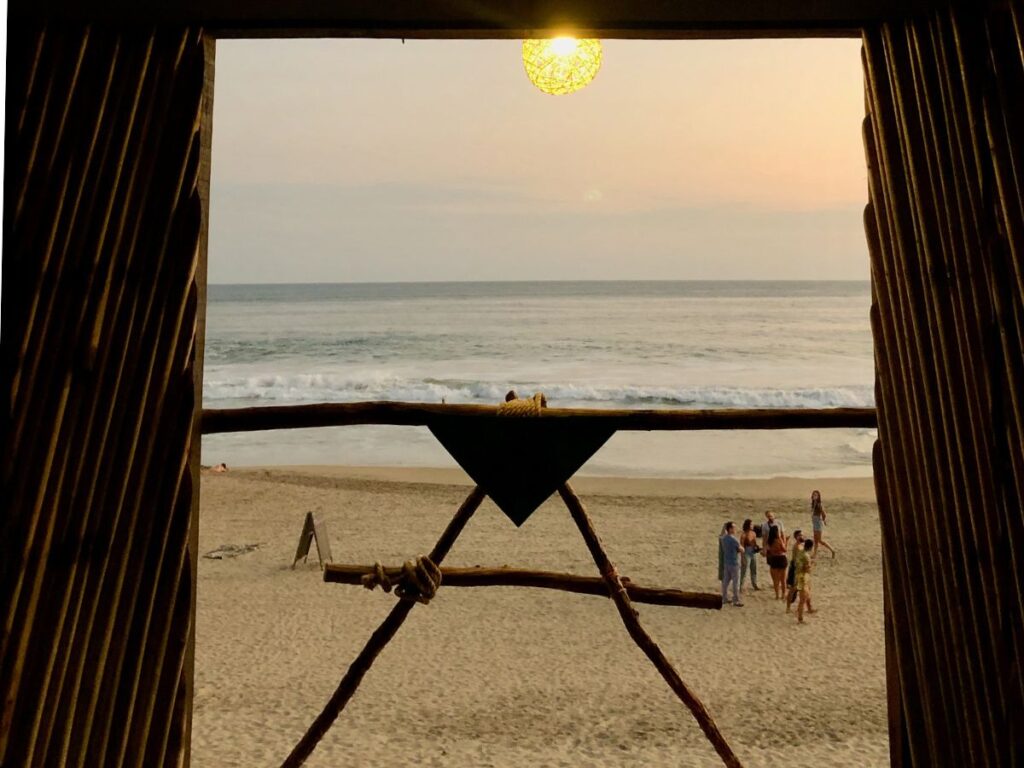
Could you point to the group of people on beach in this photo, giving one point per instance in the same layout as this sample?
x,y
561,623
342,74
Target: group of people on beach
x,y
791,576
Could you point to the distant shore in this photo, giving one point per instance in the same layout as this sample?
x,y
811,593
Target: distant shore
x,y
508,677
849,488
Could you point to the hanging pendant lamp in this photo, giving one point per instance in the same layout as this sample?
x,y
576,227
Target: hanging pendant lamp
x,y
561,65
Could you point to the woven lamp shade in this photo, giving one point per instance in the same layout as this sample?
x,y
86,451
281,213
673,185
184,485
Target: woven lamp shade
x,y
562,64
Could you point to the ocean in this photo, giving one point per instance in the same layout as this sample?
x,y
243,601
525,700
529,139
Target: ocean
x,y
661,344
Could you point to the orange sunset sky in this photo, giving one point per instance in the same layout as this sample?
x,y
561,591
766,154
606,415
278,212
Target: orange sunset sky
x,y
377,160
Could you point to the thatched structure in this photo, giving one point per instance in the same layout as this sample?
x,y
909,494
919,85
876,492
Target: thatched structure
x,y
104,247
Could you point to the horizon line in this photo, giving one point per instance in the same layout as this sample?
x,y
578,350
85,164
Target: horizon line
x,y
549,280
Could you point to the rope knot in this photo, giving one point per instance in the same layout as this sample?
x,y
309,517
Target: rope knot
x,y
418,579
522,406
378,578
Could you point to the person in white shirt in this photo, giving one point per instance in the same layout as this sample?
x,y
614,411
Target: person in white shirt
x,y
771,520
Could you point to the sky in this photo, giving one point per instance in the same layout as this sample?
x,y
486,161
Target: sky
x,y
379,161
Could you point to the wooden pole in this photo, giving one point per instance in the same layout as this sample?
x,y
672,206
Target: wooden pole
x,y
426,414
394,620
617,592
337,573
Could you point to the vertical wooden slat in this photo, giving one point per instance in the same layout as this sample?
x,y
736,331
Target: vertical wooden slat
x,y
913,342
132,619
114,358
156,650
895,705
1003,115
182,621
890,459
167,738
59,584
986,80
135,280
1004,112
27,490
978,686
992,515
898,438
159,300
102,235
975,319
944,144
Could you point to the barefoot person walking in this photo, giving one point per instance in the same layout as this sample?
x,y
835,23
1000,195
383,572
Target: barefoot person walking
x,y
803,580
818,524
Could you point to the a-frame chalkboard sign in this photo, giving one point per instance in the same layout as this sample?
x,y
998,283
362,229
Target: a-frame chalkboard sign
x,y
313,531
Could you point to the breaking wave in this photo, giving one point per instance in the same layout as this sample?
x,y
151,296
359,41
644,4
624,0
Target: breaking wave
x,y
272,389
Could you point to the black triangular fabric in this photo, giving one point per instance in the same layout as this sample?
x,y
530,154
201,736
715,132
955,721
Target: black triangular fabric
x,y
520,462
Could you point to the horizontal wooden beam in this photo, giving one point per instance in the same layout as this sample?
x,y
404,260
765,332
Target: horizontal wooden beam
x,y
489,18
511,577
427,414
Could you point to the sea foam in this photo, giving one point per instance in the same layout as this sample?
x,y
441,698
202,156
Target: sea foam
x,y
307,388
602,346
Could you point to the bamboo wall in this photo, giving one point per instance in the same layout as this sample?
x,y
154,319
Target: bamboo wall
x,y
944,138
103,235
106,149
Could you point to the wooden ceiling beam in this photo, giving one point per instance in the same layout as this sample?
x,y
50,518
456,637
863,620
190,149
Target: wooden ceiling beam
x,y
489,18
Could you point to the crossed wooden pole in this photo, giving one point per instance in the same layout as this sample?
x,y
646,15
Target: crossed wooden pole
x,y
471,434
619,589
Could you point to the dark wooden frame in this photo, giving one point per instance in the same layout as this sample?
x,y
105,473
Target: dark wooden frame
x,y
490,18
103,318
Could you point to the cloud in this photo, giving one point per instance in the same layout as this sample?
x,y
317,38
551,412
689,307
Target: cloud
x,y
381,232
343,160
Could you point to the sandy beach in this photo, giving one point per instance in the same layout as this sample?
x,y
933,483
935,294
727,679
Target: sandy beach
x,y
518,677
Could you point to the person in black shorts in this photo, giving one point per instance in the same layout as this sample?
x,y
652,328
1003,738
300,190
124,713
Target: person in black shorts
x,y
777,561
791,593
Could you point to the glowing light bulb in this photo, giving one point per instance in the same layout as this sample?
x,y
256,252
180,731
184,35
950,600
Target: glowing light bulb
x,y
561,65
563,46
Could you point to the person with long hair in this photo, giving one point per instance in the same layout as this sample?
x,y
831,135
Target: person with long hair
x,y
818,524
748,540
777,561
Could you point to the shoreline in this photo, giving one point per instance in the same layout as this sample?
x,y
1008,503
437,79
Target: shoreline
x,y
861,489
